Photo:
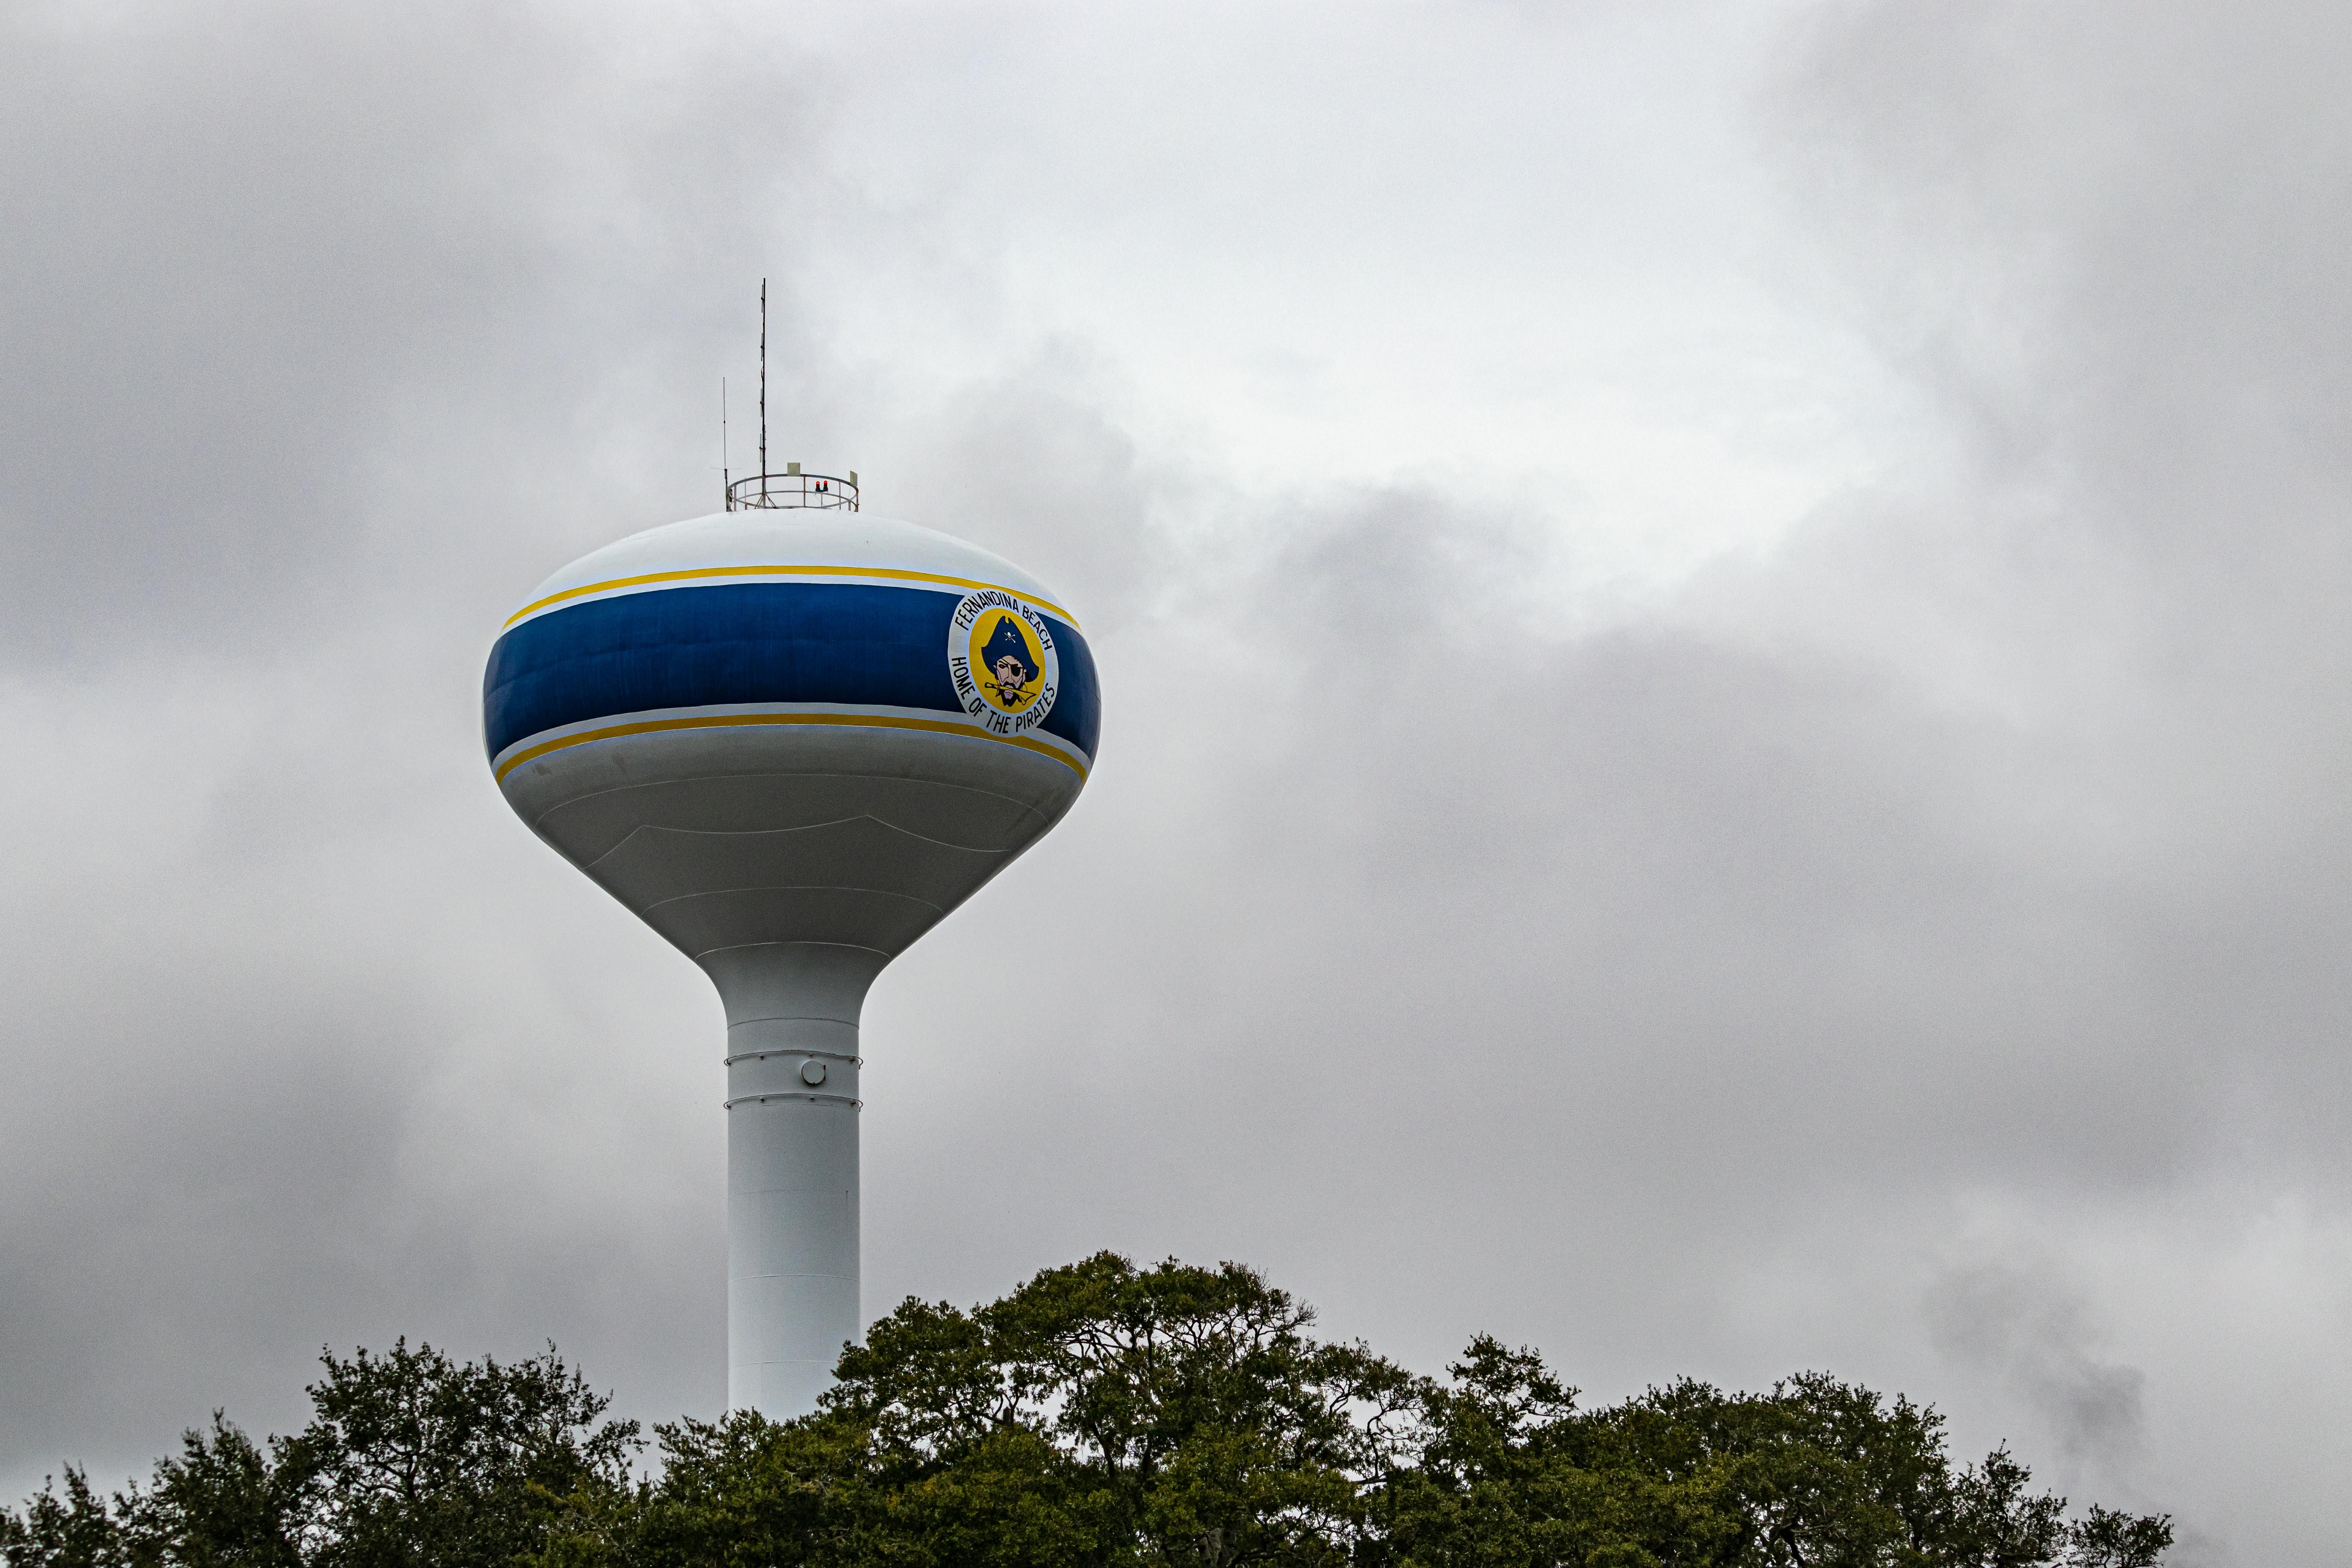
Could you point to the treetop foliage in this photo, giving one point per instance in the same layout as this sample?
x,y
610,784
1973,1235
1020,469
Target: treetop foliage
x,y
1101,1416
410,1458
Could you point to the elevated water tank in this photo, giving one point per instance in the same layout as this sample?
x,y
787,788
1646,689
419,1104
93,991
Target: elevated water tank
x,y
791,739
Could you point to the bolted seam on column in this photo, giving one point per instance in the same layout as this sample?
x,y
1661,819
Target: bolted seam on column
x,y
760,1056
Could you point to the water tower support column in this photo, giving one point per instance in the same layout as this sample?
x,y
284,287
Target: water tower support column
x,y
791,1166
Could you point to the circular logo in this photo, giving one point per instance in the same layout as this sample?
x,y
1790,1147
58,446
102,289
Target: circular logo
x,y
1002,661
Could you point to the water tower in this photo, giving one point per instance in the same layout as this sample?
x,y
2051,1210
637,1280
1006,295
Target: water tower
x,y
791,737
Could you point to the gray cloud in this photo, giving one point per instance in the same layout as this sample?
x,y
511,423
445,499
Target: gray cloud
x,y
2032,1332
1679,983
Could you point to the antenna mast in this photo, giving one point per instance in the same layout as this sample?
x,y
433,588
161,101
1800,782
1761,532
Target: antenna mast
x,y
763,377
792,488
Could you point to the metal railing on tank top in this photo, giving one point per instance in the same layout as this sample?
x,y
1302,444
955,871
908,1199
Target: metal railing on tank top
x,y
792,488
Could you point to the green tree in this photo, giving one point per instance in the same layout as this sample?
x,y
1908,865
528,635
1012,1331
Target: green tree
x,y
410,1461
1170,1414
2109,1540
78,1529
221,1503
1506,1472
1101,1416
414,1460
1815,1474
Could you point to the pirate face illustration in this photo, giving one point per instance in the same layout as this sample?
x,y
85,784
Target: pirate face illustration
x,y
1009,665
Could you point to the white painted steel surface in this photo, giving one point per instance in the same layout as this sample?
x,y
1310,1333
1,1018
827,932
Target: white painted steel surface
x,y
792,863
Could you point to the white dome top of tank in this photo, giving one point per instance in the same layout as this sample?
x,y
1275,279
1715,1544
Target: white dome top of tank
x,y
785,538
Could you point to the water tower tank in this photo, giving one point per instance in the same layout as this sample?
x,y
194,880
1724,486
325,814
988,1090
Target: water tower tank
x,y
791,740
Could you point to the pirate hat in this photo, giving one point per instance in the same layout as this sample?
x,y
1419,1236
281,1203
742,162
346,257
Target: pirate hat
x,y
1007,641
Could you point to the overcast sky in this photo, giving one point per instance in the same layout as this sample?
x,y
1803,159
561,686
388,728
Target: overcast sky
x,y
1725,669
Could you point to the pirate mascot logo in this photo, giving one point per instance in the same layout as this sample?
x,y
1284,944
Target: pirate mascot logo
x,y
1002,660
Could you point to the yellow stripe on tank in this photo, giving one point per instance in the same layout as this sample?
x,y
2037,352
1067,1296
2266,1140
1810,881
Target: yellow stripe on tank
x,y
691,574
727,720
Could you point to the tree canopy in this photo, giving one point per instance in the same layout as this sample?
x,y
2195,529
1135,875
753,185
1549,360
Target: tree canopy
x,y
410,1461
1101,1416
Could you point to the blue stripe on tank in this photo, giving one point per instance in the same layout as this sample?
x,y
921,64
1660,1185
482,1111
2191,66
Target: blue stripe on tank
x,y
707,645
